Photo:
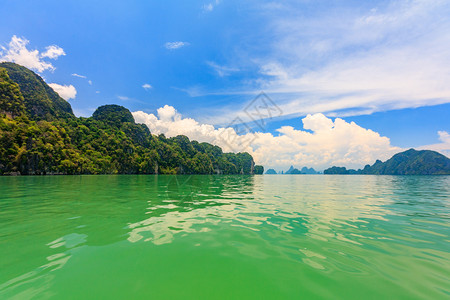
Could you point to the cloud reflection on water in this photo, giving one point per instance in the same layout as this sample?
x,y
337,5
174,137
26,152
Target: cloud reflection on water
x,y
308,205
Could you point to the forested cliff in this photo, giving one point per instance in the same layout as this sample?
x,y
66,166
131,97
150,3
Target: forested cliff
x,y
39,134
409,162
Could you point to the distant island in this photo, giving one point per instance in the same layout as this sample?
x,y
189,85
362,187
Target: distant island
x,y
271,172
39,135
410,162
294,171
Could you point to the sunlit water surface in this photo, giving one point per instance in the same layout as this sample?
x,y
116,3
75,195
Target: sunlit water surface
x,y
225,237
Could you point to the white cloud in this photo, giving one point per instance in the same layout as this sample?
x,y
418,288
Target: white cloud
x,y
90,82
323,143
65,91
79,76
53,52
442,147
147,86
17,52
175,45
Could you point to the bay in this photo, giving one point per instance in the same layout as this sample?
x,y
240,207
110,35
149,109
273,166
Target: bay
x,y
225,237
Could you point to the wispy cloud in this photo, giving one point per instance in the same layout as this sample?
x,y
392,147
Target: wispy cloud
x,y
129,99
175,45
17,51
209,7
389,58
356,62
222,71
124,98
79,76
83,77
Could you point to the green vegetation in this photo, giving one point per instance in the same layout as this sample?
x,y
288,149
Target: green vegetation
x,y
410,162
259,170
113,115
41,101
40,135
11,100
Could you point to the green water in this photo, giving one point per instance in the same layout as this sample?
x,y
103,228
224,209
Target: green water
x,y
225,237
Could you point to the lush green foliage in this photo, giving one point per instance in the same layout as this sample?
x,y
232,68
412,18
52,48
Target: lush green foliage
x,y
113,115
40,136
259,170
410,162
41,101
11,99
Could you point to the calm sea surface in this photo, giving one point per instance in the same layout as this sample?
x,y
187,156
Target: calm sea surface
x,y
225,237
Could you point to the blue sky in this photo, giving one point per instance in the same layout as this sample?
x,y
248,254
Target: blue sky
x,y
383,65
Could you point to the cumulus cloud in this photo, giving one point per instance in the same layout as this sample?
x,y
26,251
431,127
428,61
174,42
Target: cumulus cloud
x,y
16,51
65,91
321,144
147,86
175,45
53,52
